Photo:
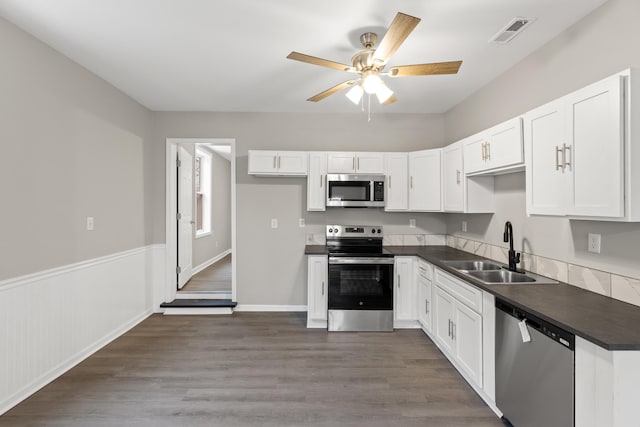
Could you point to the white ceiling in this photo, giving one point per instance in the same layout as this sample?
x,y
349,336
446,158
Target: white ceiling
x,y
214,55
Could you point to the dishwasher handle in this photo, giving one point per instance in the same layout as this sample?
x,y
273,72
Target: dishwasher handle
x,y
552,331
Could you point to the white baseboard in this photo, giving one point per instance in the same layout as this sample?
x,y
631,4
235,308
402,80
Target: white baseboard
x,y
255,307
197,269
63,315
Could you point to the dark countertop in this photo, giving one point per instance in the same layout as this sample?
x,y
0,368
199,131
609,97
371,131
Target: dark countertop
x,y
604,321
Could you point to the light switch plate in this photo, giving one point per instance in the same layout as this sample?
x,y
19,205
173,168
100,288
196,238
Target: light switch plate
x,y
464,226
412,223
301,223
593,243
274,222
90,223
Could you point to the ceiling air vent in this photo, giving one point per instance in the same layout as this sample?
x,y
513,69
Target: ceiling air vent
x,y
512,29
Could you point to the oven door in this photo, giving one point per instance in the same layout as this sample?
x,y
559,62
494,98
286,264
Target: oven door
x,y
360,283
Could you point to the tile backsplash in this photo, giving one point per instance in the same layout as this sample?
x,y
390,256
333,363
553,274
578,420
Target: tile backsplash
x,y
622,288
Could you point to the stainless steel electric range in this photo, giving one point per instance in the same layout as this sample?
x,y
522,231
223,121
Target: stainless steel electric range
x,y
360,293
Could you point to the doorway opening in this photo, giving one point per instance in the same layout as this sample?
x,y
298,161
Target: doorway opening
x,y
200,218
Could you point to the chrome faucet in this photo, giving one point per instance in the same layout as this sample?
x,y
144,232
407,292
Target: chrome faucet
x,y
514,257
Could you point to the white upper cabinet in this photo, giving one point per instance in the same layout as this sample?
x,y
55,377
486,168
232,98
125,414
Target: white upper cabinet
x,y
316,181
425,180
575,152
349,162
462,193
397,193
453,178
495,150
282,163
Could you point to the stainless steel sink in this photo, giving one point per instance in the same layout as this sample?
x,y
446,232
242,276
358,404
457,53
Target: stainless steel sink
x,y
492,273
509,277
473,265
501,276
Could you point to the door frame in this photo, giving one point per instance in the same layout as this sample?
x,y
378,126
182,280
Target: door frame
x,y
171,228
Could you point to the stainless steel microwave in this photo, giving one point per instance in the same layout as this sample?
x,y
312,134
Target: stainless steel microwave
x,y
355,191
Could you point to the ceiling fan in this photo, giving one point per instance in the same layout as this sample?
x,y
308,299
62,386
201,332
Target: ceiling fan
x,y
370,62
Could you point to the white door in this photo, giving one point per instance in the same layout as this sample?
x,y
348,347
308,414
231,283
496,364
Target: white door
x,y
467,335
425,180
442,316
185,216
453,178
595,154
404,295
547,184
397,197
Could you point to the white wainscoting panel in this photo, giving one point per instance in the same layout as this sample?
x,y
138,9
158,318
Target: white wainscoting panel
x,y
156,276
52,320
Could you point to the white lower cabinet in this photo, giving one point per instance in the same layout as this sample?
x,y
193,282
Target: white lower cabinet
x,y
317,282
424,275
404,294
458,328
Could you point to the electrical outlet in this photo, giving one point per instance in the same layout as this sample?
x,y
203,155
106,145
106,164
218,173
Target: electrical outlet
x,y
464,226
412,223
89,223
593,244
274,222
301,223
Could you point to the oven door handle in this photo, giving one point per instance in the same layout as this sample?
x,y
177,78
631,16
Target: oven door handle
x,y
359,260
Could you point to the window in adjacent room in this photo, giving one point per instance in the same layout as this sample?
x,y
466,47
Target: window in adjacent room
x,y
202,184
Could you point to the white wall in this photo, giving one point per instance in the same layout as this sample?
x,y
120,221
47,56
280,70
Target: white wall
x,y
271,263
72,147
603,43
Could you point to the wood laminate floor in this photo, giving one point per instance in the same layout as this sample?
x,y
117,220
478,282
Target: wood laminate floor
x,y
257,369
216,277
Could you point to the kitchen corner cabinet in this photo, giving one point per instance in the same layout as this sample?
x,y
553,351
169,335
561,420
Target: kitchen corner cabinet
x,y
396,172
461,193
279,163
458,324
404,311
316,181
317,282
580,154
495,150
425,180
424,277
349,162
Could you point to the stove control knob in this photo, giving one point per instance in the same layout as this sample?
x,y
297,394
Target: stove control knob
x,y
331,230
379,231
373,231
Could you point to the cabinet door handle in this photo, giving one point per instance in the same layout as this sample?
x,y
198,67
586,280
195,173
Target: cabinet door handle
x,y
322,288
488,157
483,151
426,306
274,161
458,177
566,162
358,163
411,182
453,331
398,281
449,332
558,151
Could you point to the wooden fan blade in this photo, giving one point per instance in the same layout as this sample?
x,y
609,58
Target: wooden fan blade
x,y
319,61
331,91
391,100
425,69
398,31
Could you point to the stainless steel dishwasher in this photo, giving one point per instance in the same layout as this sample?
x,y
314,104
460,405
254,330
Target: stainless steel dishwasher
x,y
534,378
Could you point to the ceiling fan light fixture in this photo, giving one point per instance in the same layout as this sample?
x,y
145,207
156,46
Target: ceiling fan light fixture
x,y
355,94
371,81
383,93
